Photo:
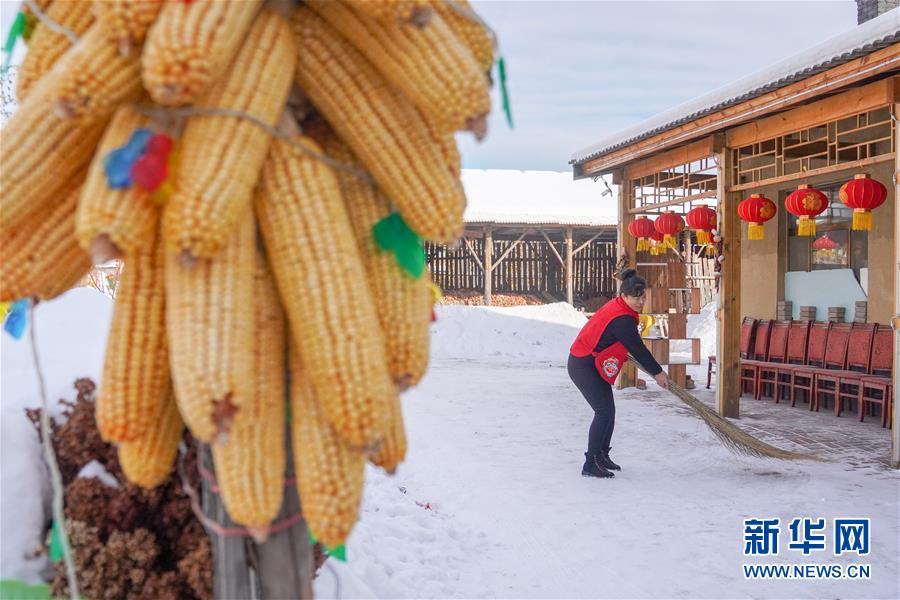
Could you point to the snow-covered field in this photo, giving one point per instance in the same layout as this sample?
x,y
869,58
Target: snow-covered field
x,y
490,502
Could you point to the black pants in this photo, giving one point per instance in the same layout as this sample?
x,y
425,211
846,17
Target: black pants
x,y
599,395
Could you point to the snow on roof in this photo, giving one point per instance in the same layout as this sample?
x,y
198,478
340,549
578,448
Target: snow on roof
x,y
539,197
863,39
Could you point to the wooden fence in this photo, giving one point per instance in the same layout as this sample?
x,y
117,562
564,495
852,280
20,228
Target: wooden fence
x,y
527,267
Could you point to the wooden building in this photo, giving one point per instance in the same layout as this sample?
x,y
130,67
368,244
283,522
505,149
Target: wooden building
x,y
818,118
568,261
530,232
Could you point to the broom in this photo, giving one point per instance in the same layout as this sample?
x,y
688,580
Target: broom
x,y
732,437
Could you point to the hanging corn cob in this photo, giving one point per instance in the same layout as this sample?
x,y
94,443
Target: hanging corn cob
x,y
330,474
404,303
135,380
112,221
458,15
321,281
415,12
222,155
250,464
209,320
97,80
31,19
148,460
393,450
126,22
429,65
384,130
41,153
190,45
46,46
42,257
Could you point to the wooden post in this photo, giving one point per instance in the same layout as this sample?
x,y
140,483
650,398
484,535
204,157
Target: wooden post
x,y
488,263
728,322
231,575
570,282
895,421
626,246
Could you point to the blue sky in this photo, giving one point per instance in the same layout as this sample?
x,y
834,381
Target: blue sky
x,y
580,71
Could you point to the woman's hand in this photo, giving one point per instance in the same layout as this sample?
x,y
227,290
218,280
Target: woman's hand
x,y
662,379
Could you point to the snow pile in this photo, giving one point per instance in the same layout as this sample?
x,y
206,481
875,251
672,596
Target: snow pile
x,y
71,337
703,326
510,196
533,333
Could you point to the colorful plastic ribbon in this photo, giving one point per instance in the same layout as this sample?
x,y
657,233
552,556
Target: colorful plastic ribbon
x,y
17,318
336,552
15,32
394,235
145,161
504,92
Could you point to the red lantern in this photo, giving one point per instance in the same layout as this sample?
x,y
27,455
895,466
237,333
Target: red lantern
x,y
670,225
756,210
641,228
863,194
703,220
825,243
806,203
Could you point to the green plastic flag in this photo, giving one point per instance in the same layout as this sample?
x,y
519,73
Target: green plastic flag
x,y
56,549
17,29
337,552
394,235
504,92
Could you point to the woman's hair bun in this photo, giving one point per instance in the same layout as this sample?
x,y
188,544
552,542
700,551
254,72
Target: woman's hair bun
x,y
627,274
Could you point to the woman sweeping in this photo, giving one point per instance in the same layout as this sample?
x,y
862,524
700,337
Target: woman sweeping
x,y
596,358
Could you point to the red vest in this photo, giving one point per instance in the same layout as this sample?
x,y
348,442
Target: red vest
x,y
608,361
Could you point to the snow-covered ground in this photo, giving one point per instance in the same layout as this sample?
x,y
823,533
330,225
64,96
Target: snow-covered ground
x,y
490,502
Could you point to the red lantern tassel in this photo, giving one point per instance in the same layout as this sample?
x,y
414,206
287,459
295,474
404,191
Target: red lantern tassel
x,y
756,231
806,227
643,244
703,237
862,220
669,241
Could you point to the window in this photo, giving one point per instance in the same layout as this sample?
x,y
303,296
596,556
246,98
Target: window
x,y
834,246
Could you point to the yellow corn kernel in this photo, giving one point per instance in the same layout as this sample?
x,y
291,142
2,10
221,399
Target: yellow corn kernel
x,y
47,46
209,321
98,78
382,128
41,258
250,464
136,378
148,460
41,154
190,45
321,280
478,39
114,222
330,474
126,22
429,65
416,12
222,155
404,303
392,451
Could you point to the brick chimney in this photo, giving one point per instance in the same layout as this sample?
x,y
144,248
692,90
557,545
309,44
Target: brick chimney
x,y
869,9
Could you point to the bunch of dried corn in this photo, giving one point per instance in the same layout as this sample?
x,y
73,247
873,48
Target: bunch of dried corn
x,y
207,330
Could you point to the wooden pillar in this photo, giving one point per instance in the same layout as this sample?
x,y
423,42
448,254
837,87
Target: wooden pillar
x,y
895,421
488,263
728,322
570,276
626,246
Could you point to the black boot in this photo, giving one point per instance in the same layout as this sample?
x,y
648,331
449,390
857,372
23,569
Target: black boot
x,y
593,468
603,459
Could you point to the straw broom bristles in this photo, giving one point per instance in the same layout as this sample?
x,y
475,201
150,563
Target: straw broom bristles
x,y
732,437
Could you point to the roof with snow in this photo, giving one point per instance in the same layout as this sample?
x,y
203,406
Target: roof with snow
x,y
864,39
537,197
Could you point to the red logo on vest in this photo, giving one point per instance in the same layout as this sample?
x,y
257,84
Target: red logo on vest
x,y
611,367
